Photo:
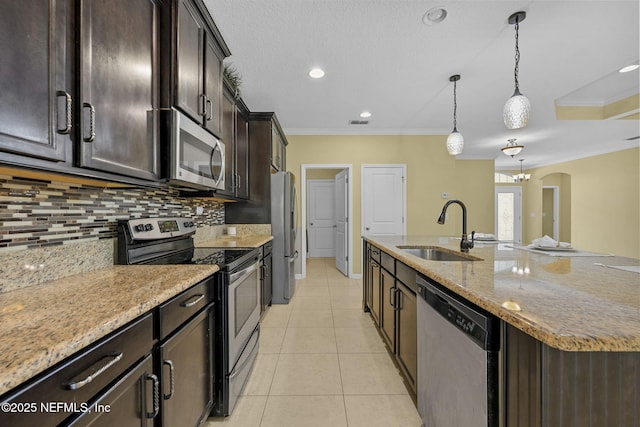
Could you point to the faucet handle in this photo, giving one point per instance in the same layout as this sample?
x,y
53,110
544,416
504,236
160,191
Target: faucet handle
x,y
473,233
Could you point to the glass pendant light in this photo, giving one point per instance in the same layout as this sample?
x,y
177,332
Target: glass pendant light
x,y
512,149
517,108
455,141
522,176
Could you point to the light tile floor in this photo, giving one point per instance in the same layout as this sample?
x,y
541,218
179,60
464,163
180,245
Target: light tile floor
x,y
322,363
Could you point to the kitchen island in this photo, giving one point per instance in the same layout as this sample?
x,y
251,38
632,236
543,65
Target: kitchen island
x,y
571,325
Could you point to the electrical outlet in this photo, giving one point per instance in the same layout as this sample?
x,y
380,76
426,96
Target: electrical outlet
x,y
199,210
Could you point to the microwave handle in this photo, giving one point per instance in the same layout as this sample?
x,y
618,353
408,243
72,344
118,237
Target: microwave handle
x,y
217,146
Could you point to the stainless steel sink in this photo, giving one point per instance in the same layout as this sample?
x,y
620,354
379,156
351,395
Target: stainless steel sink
x,y
434,253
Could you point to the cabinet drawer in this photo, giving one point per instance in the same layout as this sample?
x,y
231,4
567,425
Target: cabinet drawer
x,y
180,308
407,276
79,378
375,253
388,263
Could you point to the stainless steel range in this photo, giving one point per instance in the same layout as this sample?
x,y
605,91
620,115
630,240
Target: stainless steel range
x,y
168,241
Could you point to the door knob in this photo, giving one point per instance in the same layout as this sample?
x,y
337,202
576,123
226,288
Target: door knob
x,y
311,223
367,228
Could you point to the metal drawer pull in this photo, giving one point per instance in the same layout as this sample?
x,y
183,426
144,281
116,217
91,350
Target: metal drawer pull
x,y
93,371
67,119
192,301
156,395
92,122
171,384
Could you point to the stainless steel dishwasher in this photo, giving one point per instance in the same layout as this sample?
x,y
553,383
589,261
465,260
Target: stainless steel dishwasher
x,y
458,354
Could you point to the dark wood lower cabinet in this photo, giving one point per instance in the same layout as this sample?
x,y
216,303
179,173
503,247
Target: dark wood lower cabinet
x,y
129,402
185,363
389,294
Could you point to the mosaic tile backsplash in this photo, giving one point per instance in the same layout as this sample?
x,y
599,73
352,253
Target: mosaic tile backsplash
x,y
48,213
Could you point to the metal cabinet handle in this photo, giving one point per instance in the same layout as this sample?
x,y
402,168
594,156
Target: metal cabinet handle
x,y
202,105
156,395
239,185
192,301
91,373
400,297
67,119
169,363
92,122
208,116
392,297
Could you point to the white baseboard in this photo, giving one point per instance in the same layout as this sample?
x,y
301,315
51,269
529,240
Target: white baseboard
x,y
356,276
299,277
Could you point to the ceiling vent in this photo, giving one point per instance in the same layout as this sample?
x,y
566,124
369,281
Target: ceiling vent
x,y
358,122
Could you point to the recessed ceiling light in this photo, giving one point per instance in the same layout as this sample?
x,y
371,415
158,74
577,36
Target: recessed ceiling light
x,y
435,15
629,68
316,73
365,114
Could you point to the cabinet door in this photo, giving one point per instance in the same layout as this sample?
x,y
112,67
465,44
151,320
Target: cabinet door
x,y
35,78
189,61
119,90
128,403
213,87
276,150
406,334
228,138
242,156
374,274
387,308
186,373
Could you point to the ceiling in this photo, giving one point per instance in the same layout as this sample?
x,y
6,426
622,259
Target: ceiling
x,y
379,56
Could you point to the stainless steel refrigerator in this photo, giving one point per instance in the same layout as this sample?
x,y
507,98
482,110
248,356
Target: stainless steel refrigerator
x,y
283,229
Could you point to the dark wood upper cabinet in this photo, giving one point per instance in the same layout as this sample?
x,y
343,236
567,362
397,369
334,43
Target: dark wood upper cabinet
x,y
36,86
198,65
119,87
189,64
235,135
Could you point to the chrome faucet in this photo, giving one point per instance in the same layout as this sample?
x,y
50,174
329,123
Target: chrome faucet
x,y
465,244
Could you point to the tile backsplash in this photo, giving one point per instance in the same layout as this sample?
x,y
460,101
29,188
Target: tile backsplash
x,y
50,229
37,213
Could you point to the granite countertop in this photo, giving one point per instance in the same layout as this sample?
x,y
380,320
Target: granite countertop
x,y
239,241
42,325
567,302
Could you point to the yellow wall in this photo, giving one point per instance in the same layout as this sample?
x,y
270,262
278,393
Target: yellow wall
x,y
605,202
321,173
430,172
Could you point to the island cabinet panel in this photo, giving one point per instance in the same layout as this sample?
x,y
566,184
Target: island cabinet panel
x,y
549,387
36,39
119,89
388,309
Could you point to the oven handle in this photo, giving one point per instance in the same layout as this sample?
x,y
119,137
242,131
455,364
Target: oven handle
x,y
240,275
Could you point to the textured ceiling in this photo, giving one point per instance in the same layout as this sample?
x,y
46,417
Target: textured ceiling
x,y
379,56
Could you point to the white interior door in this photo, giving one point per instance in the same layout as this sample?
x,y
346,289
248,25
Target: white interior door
x,y
509,214
383,200
322,220
341,195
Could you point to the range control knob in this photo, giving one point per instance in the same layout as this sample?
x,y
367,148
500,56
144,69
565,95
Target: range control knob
x,y
188,224
148,227
139,228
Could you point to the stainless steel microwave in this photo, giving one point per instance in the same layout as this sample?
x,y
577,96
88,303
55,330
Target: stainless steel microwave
x,y
197,157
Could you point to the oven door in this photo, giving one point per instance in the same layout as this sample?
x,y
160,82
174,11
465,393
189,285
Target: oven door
x,y
244,308
197,157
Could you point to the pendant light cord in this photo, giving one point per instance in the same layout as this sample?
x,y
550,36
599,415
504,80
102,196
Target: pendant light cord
x,y
515,71
455,106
